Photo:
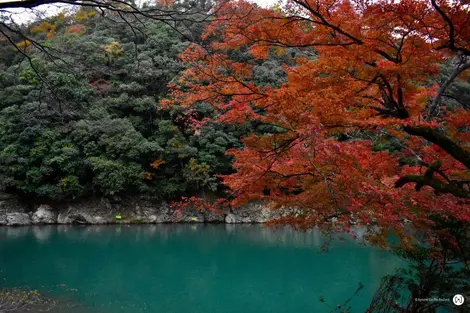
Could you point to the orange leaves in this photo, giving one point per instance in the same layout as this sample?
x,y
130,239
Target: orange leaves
x,y
460,118
260,51
156,164
166,3
193,53
78,29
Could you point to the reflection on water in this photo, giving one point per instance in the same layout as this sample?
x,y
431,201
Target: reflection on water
x,y
252,232
189,268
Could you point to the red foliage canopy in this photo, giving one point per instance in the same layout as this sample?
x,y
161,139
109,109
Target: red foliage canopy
x,y
372,79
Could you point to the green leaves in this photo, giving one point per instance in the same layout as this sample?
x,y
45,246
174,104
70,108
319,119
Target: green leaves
x,y
112,177
96,128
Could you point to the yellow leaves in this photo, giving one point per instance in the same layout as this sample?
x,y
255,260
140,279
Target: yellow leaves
x,y
61,18
277,8
114,48
280,50
155,164
112,52
45,27
124,7
84,14
23,45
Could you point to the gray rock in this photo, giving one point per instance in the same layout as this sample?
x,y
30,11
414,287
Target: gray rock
x,y
211,216
11,204
87,212
231,219
190,216
63,218
44,215
6,196
132,211
256,212
76,217
18,219
146,212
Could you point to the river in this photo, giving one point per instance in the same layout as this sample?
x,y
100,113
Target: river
x,y
179,268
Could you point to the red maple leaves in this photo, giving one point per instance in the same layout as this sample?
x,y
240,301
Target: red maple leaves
x,y
367,74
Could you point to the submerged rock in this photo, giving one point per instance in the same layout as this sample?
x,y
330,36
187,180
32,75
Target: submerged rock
x,y
17,232
43,233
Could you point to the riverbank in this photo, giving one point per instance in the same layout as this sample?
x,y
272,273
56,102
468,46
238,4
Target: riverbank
x,y
14,212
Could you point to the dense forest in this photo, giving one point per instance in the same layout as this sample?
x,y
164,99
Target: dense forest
x,y
84,117
355,112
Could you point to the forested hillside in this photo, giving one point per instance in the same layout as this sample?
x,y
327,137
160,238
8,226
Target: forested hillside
x,y
83,117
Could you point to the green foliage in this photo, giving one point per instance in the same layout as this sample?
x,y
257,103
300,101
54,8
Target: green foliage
x,y
113,177
91,122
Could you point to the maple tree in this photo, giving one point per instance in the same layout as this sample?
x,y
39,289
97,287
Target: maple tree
x,y
367,76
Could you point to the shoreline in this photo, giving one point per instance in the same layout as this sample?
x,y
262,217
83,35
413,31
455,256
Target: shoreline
x,y
101,211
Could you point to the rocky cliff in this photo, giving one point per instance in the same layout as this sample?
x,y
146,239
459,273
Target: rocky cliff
x,y
131,211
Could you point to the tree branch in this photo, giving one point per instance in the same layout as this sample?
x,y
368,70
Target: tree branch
x,y
434,136
436,184
463,66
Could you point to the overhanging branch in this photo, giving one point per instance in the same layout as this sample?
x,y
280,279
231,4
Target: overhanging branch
x,y
434,136
436,184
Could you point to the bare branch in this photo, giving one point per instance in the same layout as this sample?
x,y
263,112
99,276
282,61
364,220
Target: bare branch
x,y
436,102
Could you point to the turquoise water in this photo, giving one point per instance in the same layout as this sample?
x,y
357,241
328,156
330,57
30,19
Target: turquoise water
x,y
189,268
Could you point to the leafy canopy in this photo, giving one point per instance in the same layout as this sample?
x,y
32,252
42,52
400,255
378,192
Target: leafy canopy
x,y
364,127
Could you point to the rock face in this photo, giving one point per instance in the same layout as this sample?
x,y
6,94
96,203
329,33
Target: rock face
x,y
18,219
86,212
129,211
12,211
231,219
214,216
45,214
256,212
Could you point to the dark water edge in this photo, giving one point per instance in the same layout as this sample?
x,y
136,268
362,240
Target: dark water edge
x,y
189,268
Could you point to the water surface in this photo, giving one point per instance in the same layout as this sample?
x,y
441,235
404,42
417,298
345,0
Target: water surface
x,y
190,268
